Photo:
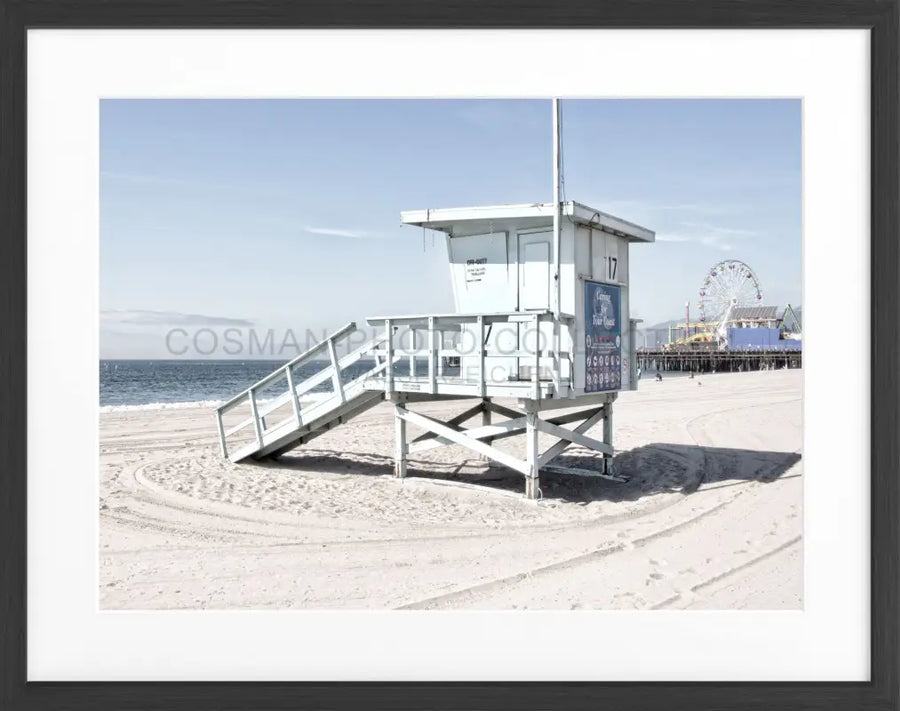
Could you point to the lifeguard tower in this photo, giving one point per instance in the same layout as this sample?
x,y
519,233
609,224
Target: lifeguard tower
x,y
542,322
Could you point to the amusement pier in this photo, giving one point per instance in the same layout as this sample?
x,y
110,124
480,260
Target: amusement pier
x,y
734,332
713,361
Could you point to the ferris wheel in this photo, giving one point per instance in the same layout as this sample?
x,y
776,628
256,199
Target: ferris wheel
x,y
727,285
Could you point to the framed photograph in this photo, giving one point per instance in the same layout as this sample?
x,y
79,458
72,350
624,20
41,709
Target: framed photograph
x,y
471,356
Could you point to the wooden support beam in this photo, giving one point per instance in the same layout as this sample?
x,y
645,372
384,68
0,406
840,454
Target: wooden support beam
x,y
586,400
576,416
455,437
501,410
500,430
558,448
456,420
409,396
608,437
486,418
573,436
400,447
532,460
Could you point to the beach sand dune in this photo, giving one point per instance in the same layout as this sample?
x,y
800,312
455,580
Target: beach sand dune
x,y
711,516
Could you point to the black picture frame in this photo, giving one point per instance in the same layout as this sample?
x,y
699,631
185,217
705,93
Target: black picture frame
x,y
880,17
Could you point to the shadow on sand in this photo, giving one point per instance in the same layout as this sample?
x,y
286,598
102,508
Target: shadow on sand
x,y
651,469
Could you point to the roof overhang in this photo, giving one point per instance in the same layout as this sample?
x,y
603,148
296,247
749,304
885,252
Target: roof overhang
x,y
536,214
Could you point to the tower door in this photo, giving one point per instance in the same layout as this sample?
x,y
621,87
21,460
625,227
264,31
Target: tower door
x,y
534,254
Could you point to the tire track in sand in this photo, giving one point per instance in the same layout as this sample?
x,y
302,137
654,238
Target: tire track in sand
x,y
471,593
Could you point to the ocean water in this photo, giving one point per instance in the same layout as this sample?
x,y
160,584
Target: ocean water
x,y
160,384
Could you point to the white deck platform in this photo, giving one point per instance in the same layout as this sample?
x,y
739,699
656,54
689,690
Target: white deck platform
x,y
275,425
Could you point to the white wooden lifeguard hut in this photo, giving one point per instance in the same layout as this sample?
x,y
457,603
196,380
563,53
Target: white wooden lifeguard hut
x,y
542,323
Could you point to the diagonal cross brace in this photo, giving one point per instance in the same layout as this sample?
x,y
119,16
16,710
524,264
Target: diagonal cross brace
x,y
457,420
500,430
567,437
502,410
463,439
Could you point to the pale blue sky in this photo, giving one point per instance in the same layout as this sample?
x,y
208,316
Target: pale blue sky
x,y
285,213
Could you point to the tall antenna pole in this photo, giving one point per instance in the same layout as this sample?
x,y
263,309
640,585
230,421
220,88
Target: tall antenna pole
x,y
557,208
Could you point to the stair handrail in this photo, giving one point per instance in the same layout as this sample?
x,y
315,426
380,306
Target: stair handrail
x,y
274,375
302,387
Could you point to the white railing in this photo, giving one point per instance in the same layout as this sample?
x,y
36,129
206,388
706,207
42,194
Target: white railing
x,y
397,329
293,391
387,349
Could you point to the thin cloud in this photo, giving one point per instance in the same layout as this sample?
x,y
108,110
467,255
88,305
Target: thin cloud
x,y
722,238
338,232
168,318
716,229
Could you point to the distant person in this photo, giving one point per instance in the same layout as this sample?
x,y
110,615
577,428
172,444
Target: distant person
x,y
658,377
639,373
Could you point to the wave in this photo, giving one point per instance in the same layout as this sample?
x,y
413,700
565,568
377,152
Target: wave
x,y
161,406
211,404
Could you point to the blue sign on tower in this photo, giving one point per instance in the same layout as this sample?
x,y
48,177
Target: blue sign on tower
x,y
603,337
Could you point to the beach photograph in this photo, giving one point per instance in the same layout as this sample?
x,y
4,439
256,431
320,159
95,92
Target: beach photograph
x,y
450,354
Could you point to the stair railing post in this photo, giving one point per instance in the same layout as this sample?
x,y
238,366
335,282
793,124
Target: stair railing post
x,y
481,374
432,377
389,346
221,434
336,375
536,375
440,357
257,425
295,401
557,359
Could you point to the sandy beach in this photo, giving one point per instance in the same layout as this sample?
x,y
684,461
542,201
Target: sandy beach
x,y
711,516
